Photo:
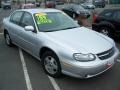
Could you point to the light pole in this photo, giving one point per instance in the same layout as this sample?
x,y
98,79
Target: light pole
x,y
18,1
108,1
25,1
45,3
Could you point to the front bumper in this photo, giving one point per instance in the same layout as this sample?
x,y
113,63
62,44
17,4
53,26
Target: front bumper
x,y
88,69
6,6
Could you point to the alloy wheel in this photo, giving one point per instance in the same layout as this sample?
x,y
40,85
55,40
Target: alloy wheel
x,y
50,65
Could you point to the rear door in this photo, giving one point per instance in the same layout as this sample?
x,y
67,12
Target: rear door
x,y
106,15
14,26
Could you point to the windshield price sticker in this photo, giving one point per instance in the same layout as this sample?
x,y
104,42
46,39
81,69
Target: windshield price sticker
x,y
43,19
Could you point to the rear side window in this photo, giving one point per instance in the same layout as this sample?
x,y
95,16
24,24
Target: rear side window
x,y
106,13
16,17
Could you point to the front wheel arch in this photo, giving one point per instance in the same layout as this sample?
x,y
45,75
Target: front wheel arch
x,y
43,50
5,31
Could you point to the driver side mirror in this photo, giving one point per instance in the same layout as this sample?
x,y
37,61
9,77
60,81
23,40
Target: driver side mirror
x,y
29,28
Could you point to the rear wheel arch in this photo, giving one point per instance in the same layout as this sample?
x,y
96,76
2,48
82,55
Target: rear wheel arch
x,y
106,24
107,29
5,31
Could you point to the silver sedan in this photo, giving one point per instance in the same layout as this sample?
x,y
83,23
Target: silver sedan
x,y
60,43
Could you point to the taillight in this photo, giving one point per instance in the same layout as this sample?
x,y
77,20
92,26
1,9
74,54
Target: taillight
x,y
94,18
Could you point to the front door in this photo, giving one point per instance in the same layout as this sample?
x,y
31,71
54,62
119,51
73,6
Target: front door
x,y
28,38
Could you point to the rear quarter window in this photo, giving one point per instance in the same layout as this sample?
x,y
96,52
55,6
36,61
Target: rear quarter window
x,y
106,13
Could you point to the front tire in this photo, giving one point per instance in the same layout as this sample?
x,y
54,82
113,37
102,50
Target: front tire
x,y
51,64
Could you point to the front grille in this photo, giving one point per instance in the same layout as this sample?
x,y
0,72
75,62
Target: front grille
x,y
107,54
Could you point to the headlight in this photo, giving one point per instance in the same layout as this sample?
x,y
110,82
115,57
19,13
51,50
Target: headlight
x,y
114,44
78,12
84,57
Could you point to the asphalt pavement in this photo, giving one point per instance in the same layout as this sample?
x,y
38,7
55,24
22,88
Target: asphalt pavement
x,y
11,73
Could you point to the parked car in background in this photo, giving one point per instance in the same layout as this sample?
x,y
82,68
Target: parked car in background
x,y
99,3
6,4
58,2
74,10
61,44
50,4
107,22
27,6
37,4
88,5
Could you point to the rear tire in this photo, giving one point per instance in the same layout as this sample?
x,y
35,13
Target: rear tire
x,y
105,31
8,40
51,64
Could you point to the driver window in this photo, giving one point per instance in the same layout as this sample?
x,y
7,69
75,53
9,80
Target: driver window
x,y
27,20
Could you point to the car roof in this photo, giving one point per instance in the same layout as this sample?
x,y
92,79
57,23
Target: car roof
x,y
73,6
28,4
115,9
108,10
37,10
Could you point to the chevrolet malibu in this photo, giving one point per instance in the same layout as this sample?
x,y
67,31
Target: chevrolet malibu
x,y
60,43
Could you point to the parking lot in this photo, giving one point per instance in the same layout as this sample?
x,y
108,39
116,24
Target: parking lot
x,y
20,71
13,77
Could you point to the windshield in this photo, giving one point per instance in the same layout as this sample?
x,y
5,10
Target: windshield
x,y
7,1
54,21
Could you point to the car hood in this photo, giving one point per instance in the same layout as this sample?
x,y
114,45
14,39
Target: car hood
x,y
84,10
90,5
82,40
